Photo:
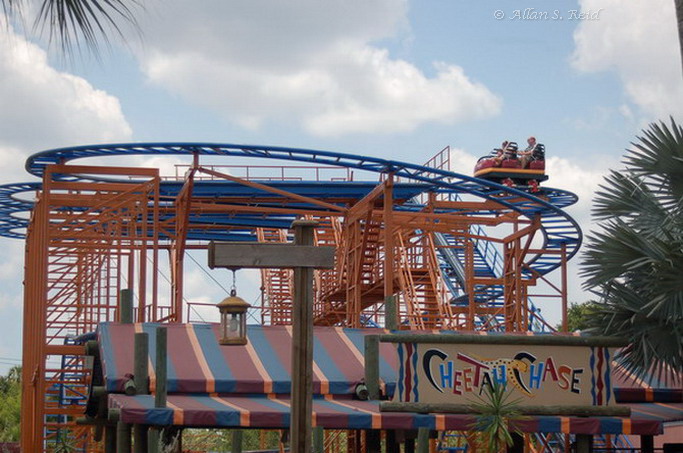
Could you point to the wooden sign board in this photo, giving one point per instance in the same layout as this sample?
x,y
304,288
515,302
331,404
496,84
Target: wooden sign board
x,y
269,256
534,374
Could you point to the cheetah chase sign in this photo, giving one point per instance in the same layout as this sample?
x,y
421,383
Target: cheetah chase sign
x,y
535,374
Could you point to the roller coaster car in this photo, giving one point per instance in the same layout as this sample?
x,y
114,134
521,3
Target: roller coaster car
x,y
507,169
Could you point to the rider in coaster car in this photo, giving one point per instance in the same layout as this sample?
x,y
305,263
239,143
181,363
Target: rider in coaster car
x,y
535,151
508,150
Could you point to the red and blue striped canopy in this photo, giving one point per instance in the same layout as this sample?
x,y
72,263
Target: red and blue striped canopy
x,y
211,385
197,363
343,412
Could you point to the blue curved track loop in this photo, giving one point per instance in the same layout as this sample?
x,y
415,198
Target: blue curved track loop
x,y
558,228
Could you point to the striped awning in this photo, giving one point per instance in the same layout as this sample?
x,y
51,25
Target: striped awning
x,y
270,411
197,363
663,412
210,385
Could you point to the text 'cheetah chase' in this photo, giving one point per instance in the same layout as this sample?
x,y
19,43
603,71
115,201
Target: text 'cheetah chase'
x,y
537,375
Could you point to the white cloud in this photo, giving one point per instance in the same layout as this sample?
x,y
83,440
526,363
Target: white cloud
x,y
41,107
310,63
639,40
461,161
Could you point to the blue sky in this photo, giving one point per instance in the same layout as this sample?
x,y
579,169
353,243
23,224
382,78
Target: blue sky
x,y
388,78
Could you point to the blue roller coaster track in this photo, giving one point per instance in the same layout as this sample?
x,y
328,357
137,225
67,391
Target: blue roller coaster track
x,y
560,232
558,228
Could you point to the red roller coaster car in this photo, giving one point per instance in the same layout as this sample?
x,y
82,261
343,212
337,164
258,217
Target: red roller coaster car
x,y
505,168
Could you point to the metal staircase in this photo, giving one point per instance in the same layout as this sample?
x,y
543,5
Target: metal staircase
x,y
277,284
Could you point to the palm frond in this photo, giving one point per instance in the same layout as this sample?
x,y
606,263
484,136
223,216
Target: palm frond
x,y
634,260
659,156
656,347
69,20
626,196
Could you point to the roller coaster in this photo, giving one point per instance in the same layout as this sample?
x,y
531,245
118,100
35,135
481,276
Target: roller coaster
x,y
455,252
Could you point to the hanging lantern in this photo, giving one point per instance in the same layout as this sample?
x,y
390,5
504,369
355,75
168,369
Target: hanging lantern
x,y
233,319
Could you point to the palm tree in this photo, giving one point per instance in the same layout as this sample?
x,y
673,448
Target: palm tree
x,y
634,260
69,21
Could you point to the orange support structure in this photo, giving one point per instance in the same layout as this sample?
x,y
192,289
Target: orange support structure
x,y
450,261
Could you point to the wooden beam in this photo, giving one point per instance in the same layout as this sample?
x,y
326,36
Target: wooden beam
x,y
273,255
450,408
517,340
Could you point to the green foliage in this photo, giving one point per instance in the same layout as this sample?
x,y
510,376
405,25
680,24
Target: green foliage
x,y
579,316
10,405
634,260
221,439
493,422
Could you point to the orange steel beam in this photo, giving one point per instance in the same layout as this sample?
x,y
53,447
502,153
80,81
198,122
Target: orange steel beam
x,y
389,237
366,203
109,170
454,218
177,251
232,208
88,240
66,250
267,188
469,206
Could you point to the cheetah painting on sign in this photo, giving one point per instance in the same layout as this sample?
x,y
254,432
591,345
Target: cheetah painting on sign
x,y
430,373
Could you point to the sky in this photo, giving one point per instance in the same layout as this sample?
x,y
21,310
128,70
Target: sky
x,y
393,79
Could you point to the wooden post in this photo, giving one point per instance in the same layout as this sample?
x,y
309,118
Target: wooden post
x,y
423,440
390,313
140,438
153,436
318,439
517,443
303,257
409,445
391,442
302,345
141,377
126,306
373,440
584,443
161,367
236,441
110,438
647,444
123,441
140,360
372,366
